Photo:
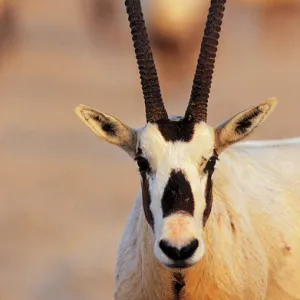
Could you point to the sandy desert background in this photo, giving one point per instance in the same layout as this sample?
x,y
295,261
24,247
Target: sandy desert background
x,y
65,195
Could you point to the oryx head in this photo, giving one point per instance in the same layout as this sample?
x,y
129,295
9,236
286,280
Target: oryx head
x,y
176,156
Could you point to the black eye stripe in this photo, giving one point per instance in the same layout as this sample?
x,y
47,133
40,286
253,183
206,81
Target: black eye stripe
x,y
142,162
209,170
210,164
208,198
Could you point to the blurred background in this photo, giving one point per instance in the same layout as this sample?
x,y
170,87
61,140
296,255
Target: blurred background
x,y
64,195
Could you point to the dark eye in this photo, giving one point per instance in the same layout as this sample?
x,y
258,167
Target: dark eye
x,y
210,165
143,164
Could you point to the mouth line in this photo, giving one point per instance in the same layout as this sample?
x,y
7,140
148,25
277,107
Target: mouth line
x,y
180,264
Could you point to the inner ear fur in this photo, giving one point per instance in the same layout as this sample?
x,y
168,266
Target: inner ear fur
x,y
242,125
108,128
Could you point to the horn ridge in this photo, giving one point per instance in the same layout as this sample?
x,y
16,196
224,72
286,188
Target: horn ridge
x,y
155,109
197,107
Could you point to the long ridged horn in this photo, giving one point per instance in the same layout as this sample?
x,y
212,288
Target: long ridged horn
x,y
197,107
155,109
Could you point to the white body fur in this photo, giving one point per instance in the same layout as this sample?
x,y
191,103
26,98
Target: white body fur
x,y
252,238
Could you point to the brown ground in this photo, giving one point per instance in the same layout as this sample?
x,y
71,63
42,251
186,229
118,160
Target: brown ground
x,y
64,195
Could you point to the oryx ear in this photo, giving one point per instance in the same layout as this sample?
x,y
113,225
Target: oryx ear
x,y
242,124
108,128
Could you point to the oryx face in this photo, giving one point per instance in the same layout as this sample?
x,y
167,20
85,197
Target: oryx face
x,y
175,162
176,157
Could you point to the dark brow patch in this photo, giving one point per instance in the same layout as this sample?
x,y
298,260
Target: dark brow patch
x,y
180,130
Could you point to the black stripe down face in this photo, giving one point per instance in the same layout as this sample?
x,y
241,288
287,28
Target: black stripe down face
x,y
176,179
178,196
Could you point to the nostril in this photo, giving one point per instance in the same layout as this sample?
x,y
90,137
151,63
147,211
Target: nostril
x,y
187,251
179,254
171,252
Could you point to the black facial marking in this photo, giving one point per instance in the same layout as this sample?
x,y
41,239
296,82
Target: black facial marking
x,y
177,195
210,165
109,128
147,200
144,168
208,198
246,122
180,130
179,255
178,285
209,169
143,164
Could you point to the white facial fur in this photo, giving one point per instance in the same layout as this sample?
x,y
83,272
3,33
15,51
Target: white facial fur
x,y
178,229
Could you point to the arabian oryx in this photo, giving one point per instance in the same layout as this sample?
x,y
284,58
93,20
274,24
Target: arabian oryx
x,y
213,220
